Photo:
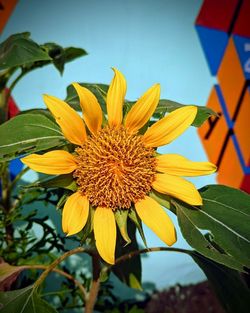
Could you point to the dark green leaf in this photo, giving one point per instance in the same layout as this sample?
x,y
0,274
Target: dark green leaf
x,y
24,300
228,285
72,53
19,50
225,216
129,271
60,55
28,133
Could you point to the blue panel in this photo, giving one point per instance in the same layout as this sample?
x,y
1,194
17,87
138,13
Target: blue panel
x,y
15,167
246,169
242,45
230,123
214,43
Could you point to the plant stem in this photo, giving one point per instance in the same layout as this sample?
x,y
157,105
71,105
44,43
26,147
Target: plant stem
x,y
154,249
56,270
96,269
13,84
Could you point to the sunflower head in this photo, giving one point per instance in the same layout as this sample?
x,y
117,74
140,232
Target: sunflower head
x,y
116,166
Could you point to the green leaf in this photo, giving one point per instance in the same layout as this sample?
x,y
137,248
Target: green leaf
x,y
228,285
164,106
60,55
121,217
162,199
61,181
99,90
28,133
19,50
72,53
225,216
203,113
24,300
128,271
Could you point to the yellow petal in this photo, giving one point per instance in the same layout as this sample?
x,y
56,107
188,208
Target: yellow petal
x,y
169,127
70,122
177,187
143,109
105,233
153,215
75,213
92,112
53,162
115,99
176,164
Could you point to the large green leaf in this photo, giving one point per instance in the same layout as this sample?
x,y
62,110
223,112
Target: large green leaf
x,y
225,218
228,285
128,271
19,50
164,106
24,300
28,133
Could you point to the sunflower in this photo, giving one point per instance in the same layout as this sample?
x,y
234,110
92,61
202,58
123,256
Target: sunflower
x,y
115,165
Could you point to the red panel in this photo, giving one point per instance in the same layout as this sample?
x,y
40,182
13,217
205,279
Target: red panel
x,y
217,14
242,24
245,186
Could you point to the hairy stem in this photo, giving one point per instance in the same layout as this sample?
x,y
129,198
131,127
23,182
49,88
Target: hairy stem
x,y
96,269
130,255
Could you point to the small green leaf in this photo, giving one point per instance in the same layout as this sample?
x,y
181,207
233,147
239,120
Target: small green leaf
x,y
225,216
19,50
163,200
24,300
65,181
28,133
121,217
72,53
134,217
228,285
133,282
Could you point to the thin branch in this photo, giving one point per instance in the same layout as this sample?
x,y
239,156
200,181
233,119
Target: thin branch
x,y
130,255
56,270
18,177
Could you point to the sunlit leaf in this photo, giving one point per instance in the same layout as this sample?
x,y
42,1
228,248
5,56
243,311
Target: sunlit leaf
x,y
28,133
8,274
19,49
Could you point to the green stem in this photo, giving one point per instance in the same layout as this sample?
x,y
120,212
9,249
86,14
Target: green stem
x,y
13,84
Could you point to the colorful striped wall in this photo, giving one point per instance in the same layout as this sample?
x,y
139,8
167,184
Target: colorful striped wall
x,y
223,28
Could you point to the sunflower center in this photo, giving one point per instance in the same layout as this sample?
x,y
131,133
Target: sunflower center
x,y
115,169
